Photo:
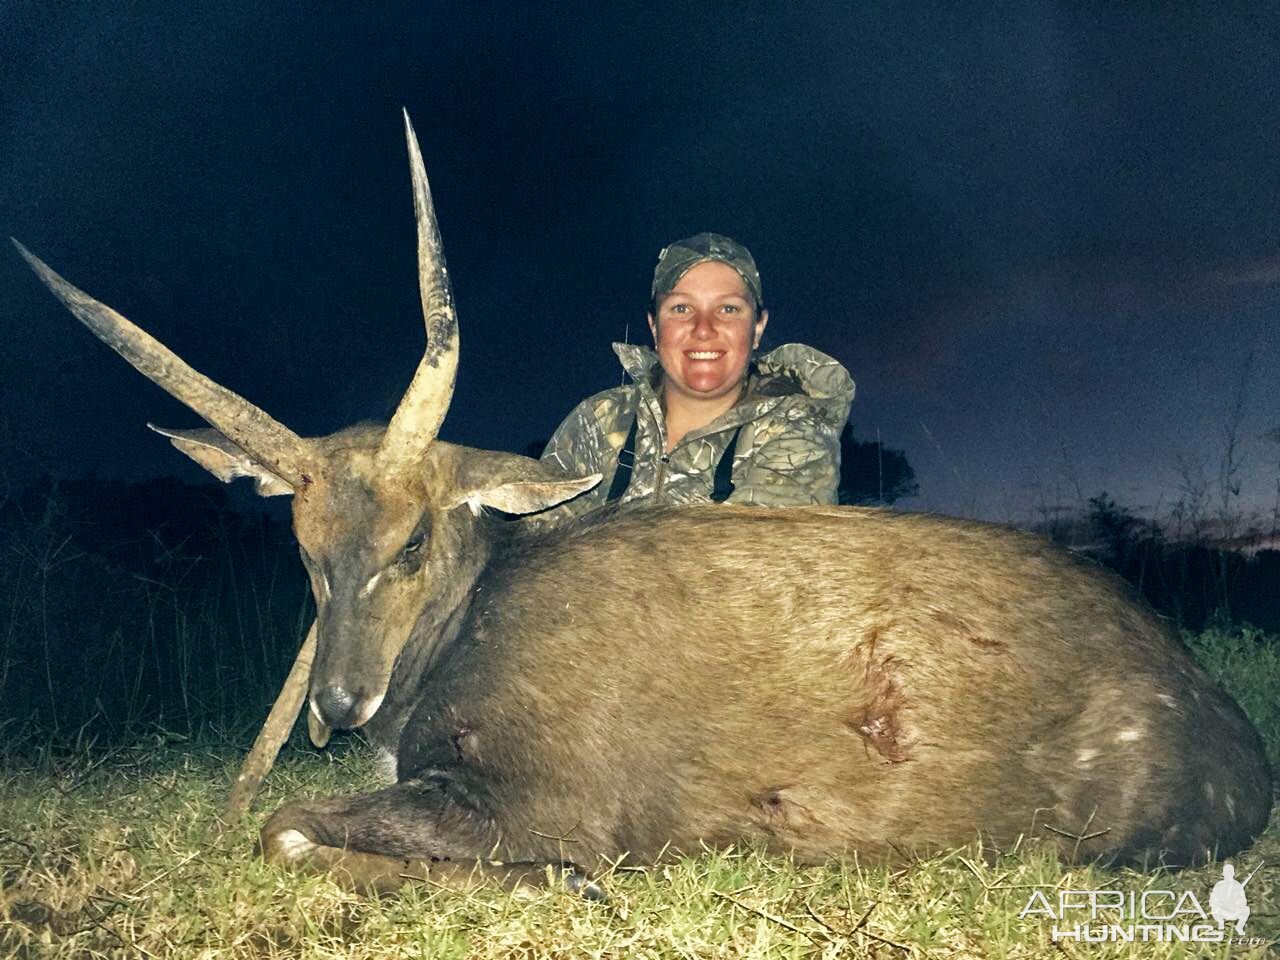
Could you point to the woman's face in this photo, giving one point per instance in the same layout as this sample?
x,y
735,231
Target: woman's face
x,y
705,330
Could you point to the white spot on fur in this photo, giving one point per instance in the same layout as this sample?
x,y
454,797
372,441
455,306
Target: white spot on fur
x,y
1085,756
1168,701
292,845
373,582
384,764
475,506
1231,806
1129,735
1208,792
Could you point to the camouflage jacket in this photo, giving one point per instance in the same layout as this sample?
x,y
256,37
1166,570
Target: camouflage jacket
x,y
788,452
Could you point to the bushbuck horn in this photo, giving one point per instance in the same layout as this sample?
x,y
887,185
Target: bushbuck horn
x,y
417,420
272,443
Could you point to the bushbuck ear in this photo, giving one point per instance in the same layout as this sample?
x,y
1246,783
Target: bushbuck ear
x,y
224,459
515,484
530,497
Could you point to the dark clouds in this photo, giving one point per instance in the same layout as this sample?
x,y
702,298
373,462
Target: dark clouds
x,y
1042,240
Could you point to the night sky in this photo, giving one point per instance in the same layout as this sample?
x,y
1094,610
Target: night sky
x,y
1045,242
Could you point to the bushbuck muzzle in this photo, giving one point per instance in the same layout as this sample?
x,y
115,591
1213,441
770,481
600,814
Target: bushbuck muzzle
x,y
824,682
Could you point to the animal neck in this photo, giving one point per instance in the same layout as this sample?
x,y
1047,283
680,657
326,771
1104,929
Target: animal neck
x,y
434,633
477,541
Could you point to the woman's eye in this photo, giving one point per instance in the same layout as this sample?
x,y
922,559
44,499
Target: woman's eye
x,y
730,308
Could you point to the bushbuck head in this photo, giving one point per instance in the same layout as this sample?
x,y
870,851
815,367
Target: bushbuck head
x,y
384,516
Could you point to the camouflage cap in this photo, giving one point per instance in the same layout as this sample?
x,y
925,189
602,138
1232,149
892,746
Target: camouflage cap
x,y
680,257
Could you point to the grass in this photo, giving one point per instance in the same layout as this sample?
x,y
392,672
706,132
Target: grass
x,y
116,861
108,853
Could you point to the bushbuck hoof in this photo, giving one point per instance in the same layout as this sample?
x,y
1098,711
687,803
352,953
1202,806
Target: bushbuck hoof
x,y
584,887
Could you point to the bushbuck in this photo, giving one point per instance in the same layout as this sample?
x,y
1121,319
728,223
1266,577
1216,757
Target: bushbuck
x,y
824,682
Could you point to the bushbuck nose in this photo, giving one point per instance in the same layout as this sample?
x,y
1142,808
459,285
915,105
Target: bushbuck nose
x,y
336,705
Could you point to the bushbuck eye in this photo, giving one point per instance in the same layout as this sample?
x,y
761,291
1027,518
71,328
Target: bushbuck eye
x,y
411,555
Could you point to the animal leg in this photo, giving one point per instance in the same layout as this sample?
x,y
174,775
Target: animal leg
x,y
375,873
376,842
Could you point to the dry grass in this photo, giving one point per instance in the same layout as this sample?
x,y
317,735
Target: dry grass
x,y
114,859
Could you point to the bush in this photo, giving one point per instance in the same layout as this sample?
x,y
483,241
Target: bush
x,y
128,605
1247,663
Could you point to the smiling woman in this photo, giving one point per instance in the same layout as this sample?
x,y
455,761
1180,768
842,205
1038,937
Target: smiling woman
x,y
705,418
705,330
